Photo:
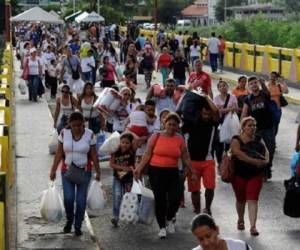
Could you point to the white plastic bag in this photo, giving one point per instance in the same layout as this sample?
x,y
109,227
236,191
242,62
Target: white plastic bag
x,y
22,87
229,128
51,205
111,145
96,199
136,187
53,143
146,205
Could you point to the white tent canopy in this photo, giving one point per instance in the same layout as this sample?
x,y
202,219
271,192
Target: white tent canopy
x,y
92,17
36,14
52,12
81,16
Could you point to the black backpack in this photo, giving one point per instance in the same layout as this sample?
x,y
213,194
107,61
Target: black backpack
x,y
291,205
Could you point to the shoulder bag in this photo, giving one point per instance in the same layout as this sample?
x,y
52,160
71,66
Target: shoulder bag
x,y
75,174
75,73
227,167
25,73
282,100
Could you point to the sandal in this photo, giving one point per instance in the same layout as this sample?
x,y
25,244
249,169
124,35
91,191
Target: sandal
x,y
241,225
254,232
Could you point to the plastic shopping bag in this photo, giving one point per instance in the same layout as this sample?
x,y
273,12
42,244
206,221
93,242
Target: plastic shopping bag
x,y
22,87
51,205
129,208
96,199
229,128
146,206
100,139
53,143
119,72
294,163
111,144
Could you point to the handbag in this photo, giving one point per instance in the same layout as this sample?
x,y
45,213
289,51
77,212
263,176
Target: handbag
x,y
25,73
75,73
291,205
74,173
227,168
282,100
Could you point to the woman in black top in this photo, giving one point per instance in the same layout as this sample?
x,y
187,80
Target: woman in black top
x,y
250,156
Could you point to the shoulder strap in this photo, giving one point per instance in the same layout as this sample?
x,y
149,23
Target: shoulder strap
x,y
70,64
279,86
226,101
247,246
156,140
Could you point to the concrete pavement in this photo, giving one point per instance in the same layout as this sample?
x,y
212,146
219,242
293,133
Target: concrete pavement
x,y
33,133
34,127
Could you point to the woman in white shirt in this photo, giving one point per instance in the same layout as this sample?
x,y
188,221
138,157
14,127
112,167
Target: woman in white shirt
x,y
195,51
35,71
77,149
207,233
87,65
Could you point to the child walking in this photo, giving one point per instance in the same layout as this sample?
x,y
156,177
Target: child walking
x,y
122,163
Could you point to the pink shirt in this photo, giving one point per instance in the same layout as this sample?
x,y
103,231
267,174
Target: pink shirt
x,y
110,73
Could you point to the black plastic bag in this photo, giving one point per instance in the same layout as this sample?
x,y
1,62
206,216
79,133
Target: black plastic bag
x,y
291,205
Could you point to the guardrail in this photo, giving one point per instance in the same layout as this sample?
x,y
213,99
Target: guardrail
x,y
254,58
6,145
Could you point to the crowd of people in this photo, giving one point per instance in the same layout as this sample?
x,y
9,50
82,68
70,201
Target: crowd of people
x,y
169,137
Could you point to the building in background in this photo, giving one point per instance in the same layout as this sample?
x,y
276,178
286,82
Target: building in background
x,y
271,11
201,12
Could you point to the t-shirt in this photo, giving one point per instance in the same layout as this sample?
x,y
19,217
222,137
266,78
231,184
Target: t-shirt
x,y
68,61
110,71
222,46
202,80
167,150
231,245
138,118
258,108
77,151
124,159
85,62
164,103
48,56
75,48
179,66
195,51
213,45
34,66
200,139
164,60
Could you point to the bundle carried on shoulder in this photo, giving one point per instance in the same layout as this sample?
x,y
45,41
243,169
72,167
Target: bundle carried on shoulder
x,y
108,101
111,144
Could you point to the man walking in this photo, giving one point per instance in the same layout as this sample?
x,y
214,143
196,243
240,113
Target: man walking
x,y
213,49
179,66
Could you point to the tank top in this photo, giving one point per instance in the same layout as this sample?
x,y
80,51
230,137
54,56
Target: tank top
x,y
88,110
66,110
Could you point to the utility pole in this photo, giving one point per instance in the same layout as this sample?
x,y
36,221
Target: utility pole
x,y
225,10
74,6
155,14
98,6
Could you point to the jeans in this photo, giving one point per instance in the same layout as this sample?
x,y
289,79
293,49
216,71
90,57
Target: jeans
x,y
148,76
276,125
33,85
118,192
268,136
165,186
221,60
62,123
179,81
93,77
213,58
53,85
80,196
87,76
164,73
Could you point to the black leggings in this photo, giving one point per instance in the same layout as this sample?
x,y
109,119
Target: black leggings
x,y
165,186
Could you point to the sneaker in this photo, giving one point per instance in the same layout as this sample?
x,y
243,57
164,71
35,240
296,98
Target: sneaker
x,y
114,222
171,227
68,227
162,233
78,232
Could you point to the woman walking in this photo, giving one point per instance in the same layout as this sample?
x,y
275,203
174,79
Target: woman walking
x,y
108,72
65,105
163,152
35,71
250,156
163,64
77,149
148,65
85,105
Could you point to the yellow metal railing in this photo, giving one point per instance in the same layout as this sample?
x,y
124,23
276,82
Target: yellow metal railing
x,y
6,147
254,58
